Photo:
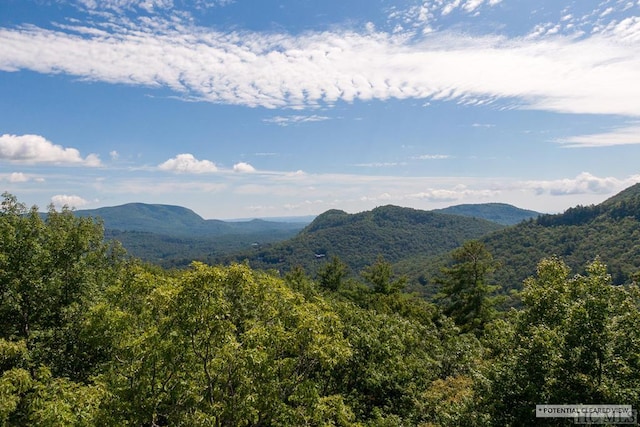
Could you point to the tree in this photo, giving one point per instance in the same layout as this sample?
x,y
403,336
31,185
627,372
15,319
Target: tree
x,y
576,341
218,346
465,293
53,268
332,274
380,276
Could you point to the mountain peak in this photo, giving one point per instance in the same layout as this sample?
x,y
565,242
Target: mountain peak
x,y
502,213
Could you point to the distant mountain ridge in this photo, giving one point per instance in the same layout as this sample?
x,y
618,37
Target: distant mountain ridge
x,y
502,213
178,221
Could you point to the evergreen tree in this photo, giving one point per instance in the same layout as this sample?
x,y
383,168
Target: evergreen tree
x,y
332,274
466,293
380,276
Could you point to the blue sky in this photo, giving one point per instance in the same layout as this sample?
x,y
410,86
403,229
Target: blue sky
x,y
240,109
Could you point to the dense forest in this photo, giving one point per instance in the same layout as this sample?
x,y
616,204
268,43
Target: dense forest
x,y
90,336
358,239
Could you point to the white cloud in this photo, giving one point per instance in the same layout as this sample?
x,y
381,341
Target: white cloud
x,y
584,183
294,119
243,167
37,149
120,5
380,164
61,200
432,157
114,155
452,195
187,163
595,74
472,5
16,177
147,5
622,136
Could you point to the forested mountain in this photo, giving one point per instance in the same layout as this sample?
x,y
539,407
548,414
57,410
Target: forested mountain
x,y
609,231
177,221
501,213
173,236
357,239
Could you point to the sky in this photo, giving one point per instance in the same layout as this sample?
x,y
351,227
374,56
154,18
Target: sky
x,y
270,108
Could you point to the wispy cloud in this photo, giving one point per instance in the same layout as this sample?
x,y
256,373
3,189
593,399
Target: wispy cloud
x,y
149,6
120,5
379,164
16,177
584,183
595,74
432,157
187,163
295,119
37,149
622,136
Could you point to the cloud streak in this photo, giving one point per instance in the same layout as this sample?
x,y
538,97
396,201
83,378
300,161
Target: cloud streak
x,y
295,119
623,136
595,75
584,183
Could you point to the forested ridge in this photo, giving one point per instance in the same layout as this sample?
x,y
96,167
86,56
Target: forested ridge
x,y
358,239
91,336
609,231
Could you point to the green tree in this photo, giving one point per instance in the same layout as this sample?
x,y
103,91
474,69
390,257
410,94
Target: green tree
x,y
380,276
465,293
332,274
53,268
218,346
575,341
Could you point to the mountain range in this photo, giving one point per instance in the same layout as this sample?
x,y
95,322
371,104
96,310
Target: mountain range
x,y
609,231
357,239
416,242
173,236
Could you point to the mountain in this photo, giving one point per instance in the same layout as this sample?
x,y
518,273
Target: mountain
x,y
173,236
357,239
178,221
501,213
609,231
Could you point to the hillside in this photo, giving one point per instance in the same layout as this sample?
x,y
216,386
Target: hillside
x,y
357,239
178,221
173,236
609,231
501,213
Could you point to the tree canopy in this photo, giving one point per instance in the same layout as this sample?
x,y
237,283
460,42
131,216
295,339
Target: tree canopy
x,y
91,337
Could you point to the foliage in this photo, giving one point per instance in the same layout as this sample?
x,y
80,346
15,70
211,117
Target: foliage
x,y
465,293
332,274
575,341
609,231
90,337
358,239
380,276
51,271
